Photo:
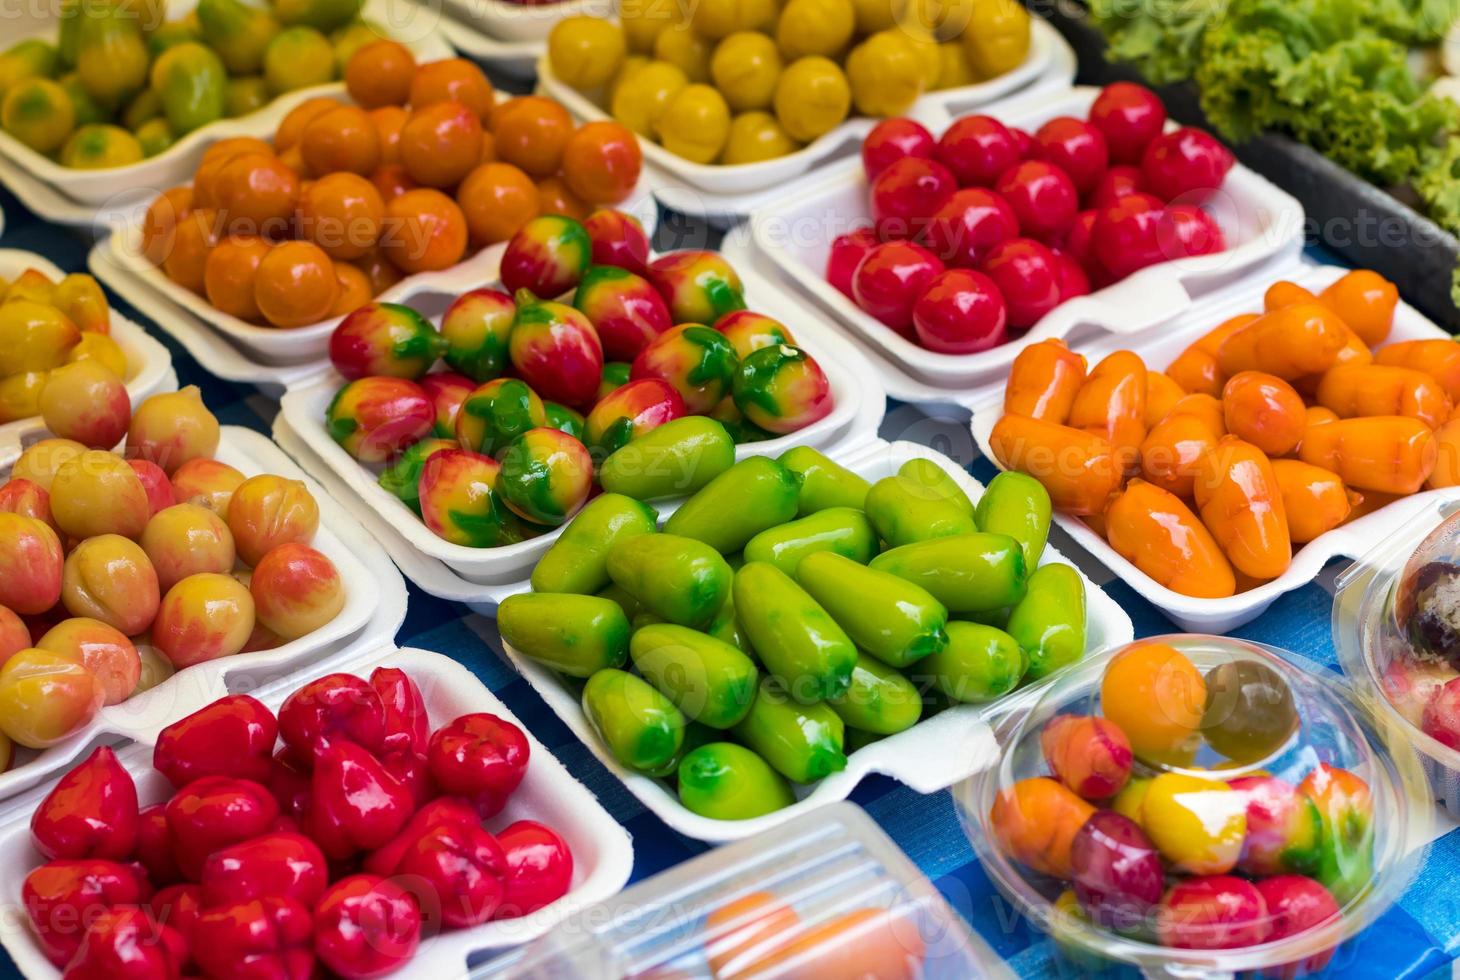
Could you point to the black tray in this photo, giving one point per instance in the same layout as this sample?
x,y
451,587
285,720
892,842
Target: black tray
x,y
1362,223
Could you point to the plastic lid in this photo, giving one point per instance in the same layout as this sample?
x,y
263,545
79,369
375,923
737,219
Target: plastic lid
x,y
1189,803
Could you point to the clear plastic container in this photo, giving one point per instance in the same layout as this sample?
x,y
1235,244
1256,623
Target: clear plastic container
x,y
827,895
1393,633
1223,787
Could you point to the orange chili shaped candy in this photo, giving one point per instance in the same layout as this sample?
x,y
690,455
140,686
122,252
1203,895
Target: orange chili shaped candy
x,y
1317,415
1078,468
1264,410
1162,394
1212,340
1153,530
1290,342
1447,457
1196,370
1440,359
1171,449
1284,293
1043,381
1366,301
1385,453
1112,403
1352,354
1035,821
1206,408
1314,500
1240,503
1373,389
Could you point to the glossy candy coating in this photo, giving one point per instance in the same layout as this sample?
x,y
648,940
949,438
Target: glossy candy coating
x,y
87,402
1147,675
782,389
203,617
30,564
699,286
98,493
185,539
547,256
545,476
101,649
729,782
460,502
374,418
110,578
624,308
676,458
266,511
641,728
631,410
296,590
476,327
555,349
575,635
697,361
496,413
387,339
1158,533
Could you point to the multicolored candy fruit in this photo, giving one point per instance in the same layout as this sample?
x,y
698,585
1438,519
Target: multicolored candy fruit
x,y
403,477
546,476
447,390
565,419
1284,828
697,361
476,326
781,389
556,350
749,331
1198,824
496,413
624,308
1346,806
375,418
387,339
547,256
632,410
699,286
618,240
459,500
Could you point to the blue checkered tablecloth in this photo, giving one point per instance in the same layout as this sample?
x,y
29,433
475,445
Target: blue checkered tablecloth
x,y
1419,937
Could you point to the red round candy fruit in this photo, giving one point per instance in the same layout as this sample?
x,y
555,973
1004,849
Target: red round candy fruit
x,y
1212,912
539,868
977,149
365,927
406,723
1129,116
1441,718
458,873
847,252
1023,142
1118,181
1116,870
278,864
233,736
1126,234
266,937
1297,903
61,896
1079,240
154,846
479,756
1185,166
890,141
1186,230
905,195
356,804
1042,196
213,812
1072,277
968,224
126,944
961,312
91,812
1027,273
1077,148
890,280
335,705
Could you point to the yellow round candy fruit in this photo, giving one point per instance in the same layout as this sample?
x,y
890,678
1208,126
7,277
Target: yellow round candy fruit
x,y
686,50
885,73
99,147
996,39
1197,824
640,99
585,52
756,136
630,65
34,336
745,68
877,15
715,19
99,347
642,21
39,113
696,124
943,20
815,27
953,68
20,395
812,98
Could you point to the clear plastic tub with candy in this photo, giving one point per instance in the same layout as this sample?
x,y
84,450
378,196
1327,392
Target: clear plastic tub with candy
x,y
1396,627
1200,806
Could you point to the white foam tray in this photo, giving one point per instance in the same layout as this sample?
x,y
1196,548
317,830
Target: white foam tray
x,y
523,22
602,850
1350,540
1262,224
375,598
725,193
932,755
149,365
481,576
517,59
99,198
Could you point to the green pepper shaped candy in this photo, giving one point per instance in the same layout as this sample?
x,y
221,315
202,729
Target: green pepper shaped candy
x,y
979,664
799,643
926,473
726,627
880,700
892,619
725,781
679,579
1017,504
708,680
1049,622
843,531
695,735
626,602
671,460
823,483
578,560
575,635
753,495
989,617
905,511
640,727
968,573
802,742
857,739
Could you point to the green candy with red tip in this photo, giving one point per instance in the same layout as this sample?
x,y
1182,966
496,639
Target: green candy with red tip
x,y
476,327
564,419
749,331
625,309
699,286
782,389
630,411
385,339
496,413
403,477
546,476
447,390
375,418
556,350
460,503
547,256
698,361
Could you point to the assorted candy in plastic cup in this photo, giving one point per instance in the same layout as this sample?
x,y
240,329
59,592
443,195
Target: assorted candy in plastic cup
x,y
1194,803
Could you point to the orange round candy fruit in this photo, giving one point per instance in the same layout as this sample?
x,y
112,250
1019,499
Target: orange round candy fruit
x,y
380,74
424,231
441,143
602,162
291,127
554,196
453,80
391,181
343,138
497,199
226,149
354,289
531,132
389,120
1154,694
296,285
257,194
162,217
341,213
379,270
192,240
229,273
